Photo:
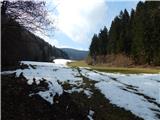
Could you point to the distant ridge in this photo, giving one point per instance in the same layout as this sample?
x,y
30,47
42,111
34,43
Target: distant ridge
x,y
75,54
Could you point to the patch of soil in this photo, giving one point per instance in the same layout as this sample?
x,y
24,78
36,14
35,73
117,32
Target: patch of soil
x,y
14,67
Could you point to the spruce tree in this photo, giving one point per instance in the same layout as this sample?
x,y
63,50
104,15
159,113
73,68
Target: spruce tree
x,y
114,35
138,34
94,46
103,41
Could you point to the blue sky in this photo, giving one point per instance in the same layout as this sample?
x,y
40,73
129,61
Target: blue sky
x,y
77,20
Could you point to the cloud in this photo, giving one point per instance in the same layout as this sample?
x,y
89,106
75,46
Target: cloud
x,y
50,40
55,42
80,19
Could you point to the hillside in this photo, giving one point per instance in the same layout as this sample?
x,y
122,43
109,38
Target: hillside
x,y
20,44
75,54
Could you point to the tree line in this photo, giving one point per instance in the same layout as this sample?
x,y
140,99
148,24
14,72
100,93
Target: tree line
x,y
137,35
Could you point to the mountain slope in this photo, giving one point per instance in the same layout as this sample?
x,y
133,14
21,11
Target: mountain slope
x,y
75,54
20,44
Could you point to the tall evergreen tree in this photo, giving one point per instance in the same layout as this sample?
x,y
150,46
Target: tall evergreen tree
x,y
126,31
103,41
151,32
138,34
156,35
114,34
94,46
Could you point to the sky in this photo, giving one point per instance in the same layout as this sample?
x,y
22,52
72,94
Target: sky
x,y
76,21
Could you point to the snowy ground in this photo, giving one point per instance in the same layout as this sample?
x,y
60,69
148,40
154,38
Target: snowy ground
x,y
139,93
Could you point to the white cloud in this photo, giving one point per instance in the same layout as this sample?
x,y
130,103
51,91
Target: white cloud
x,y
80,19
50,40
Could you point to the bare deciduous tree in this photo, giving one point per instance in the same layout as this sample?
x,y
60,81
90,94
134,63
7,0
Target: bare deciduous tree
x,y
30,14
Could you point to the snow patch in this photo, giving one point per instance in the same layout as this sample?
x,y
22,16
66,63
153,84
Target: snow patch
x,y
90,116
88,93
61,61
74,89
135,103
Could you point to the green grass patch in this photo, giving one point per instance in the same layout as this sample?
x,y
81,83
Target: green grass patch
x,y
125,70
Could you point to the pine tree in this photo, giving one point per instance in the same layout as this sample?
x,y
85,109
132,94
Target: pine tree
x,y
94,46
138,34
126,31
151,41
114,34
103,41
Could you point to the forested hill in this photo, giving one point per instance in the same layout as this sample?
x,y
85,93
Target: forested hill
x,y
75,54
20,44
135,35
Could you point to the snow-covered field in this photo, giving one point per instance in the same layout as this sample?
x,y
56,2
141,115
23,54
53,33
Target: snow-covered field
x,y
139,93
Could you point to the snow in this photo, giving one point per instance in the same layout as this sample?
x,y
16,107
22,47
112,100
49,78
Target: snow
x,y
138,93
113,87
93,75
52,73
144,84
74,89
135,103
88,93
91,112
148,84
37,63
129,91
61,61
90,115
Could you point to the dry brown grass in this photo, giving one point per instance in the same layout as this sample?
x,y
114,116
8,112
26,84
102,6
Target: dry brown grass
x,y
127,70
118,60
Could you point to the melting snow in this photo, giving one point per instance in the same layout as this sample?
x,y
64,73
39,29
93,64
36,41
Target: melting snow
x,y
90,115
61,61
139,93
88,93
74,90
